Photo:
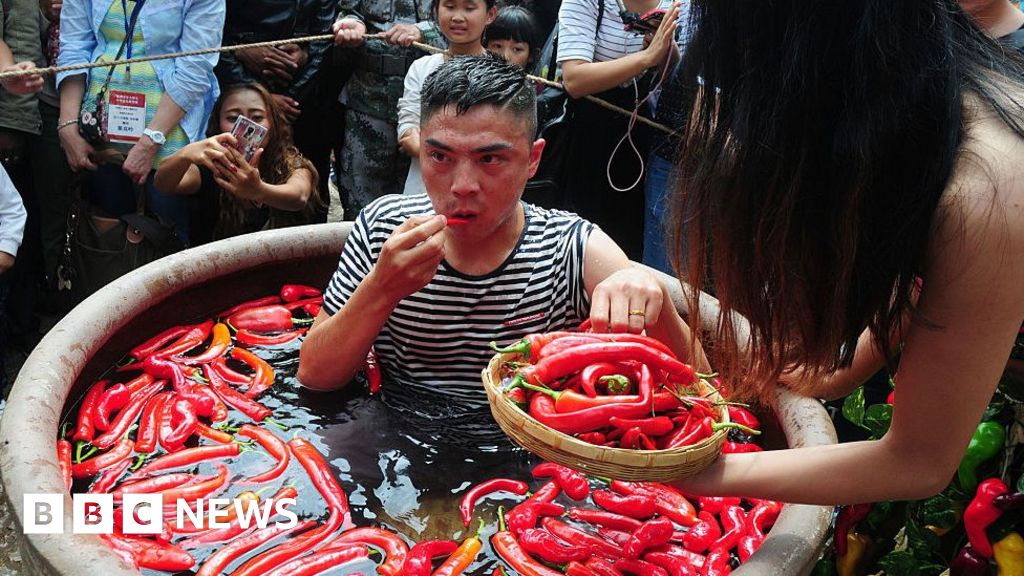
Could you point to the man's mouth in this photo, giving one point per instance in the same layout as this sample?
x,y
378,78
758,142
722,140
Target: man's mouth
x,y
460,218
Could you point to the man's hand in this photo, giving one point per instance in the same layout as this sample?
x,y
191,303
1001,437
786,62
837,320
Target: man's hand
x,y
289,108
403,35
297,54
27,84
6,262
409,258
268,63
349,32
628,300
139,162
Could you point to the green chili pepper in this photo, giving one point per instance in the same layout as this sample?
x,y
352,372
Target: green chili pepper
x,y
986,442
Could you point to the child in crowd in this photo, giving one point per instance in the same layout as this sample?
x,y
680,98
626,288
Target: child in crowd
x,y
462,23
430,280
273,190
514,35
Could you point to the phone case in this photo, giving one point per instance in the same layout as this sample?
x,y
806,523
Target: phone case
x,y
249,135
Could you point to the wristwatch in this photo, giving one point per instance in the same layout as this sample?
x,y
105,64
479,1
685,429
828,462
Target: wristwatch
x,y
156,136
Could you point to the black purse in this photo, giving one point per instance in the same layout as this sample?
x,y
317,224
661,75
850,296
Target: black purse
x,y
92,124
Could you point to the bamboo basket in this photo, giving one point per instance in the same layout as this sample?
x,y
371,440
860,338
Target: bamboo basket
x,y
615,463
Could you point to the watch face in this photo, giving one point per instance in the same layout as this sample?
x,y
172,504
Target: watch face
x,y
156,137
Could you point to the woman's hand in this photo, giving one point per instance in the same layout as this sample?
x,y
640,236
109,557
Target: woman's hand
x,y
628,300
77,151
28,84
663,40
242,180
212,153
139,162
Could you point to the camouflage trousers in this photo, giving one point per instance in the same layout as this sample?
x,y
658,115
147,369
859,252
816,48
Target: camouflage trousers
x,y
371,165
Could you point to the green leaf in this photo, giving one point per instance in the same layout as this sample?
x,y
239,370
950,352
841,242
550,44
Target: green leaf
x,y
877,419
853,407
921,542
936,511
902,563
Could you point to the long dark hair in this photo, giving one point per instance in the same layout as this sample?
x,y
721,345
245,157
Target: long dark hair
x,y
821,138
515,21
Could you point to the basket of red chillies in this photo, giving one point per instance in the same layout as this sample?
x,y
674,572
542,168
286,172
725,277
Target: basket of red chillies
x,y
621,406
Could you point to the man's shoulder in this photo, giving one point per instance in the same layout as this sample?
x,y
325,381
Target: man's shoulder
x,y
553,218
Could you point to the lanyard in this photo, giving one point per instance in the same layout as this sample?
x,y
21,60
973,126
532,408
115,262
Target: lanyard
x,y
129,31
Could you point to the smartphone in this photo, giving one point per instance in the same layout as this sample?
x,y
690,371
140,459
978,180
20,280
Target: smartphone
x,y
249,136
646,23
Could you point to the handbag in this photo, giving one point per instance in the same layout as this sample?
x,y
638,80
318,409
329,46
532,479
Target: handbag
x,y
92,124
99,249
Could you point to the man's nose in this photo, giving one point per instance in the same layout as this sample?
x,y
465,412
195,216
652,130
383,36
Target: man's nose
x,y
464,180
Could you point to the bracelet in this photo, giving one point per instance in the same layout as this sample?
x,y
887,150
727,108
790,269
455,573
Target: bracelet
x,y
66,123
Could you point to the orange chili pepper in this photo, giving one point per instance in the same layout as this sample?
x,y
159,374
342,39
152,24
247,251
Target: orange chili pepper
x,y
264,376
463,555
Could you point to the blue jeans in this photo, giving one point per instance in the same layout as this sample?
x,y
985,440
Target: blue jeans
x,y
657,190
113,192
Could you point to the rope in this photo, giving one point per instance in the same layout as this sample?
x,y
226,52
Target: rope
x,y
299,40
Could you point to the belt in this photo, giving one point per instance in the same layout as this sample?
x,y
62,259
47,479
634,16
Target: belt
x,y
386,64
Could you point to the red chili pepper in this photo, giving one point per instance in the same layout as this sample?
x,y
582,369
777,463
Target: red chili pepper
x,y
734,525
127,416
149,423
981,512
151,485
740,447
669,503
763,515
576,569
373,375
322,477
676,565
112,400
264,377
531,344
109,477
655,426
589,376
264,301
395,549
254,410
139,382
244,501
64,461
717,563
573,483
91,467
619,537
187,457
142,351
549,548
542,408
151,554
631,439
202,404
639,506
578,537
320,561
195,336
639,567
250,338
313,308
654,532
218,562
525,515
847,519
419,562
218,345
272,444
293,292
602,567
272,318
634,338
596,438
228,374
743,416
177,423
562,344
485,488
85,429
747,545
702,429
575,359
199,490
603,518
508,549
702,534
717,504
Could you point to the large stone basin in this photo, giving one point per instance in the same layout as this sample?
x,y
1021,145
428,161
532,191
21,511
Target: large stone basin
x,y
198,282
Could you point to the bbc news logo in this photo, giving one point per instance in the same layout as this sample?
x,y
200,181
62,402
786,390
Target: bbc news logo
x,y
146,513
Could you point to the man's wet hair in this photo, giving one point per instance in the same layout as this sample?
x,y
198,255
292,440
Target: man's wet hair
x,y
469,81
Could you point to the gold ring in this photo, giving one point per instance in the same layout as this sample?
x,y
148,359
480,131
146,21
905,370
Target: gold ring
x,y
636,313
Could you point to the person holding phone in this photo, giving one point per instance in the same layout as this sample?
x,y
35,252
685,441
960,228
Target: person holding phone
x,y
235,196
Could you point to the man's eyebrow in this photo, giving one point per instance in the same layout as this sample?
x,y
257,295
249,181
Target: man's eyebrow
x,y
498,147
438,144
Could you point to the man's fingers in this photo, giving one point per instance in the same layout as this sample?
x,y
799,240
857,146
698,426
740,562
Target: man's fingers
x,y
420,232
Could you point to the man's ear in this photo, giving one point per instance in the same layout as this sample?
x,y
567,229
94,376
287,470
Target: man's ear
x,y
536,151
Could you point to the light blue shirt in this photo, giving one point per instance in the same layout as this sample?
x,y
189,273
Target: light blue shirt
x,y
167,26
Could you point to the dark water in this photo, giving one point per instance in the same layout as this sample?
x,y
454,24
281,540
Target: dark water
x,y
400,472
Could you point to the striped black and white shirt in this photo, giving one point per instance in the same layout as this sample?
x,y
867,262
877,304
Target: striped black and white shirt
x,y
577,20
434,345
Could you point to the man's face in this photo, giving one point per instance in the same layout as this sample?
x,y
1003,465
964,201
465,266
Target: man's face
x,y
475,166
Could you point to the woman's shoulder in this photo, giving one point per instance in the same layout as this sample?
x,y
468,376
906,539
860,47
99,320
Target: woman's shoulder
x,y
990,165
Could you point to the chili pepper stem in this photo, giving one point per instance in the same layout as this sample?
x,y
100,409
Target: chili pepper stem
x,y
223,427
139,461
269,420
78,450
617,383
716,426
501,518
520,347
92,450
706,376
540,389
64,429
